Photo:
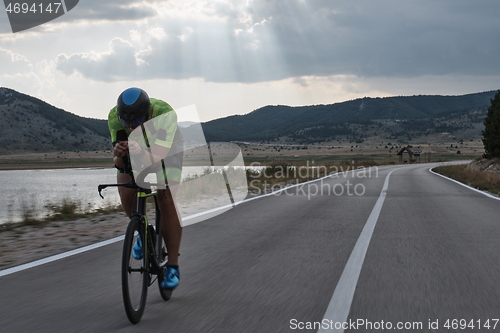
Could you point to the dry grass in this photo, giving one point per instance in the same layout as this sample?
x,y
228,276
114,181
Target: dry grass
x,y
66,210
279,172
482,180
212,182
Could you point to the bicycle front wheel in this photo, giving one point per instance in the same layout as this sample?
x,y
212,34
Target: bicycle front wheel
x,y
135,276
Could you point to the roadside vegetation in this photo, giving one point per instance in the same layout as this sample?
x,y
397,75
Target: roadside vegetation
x,y
484,173
262,177
477,178
66,210
279,173
491,132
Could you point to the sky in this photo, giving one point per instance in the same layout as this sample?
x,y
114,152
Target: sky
x,y
232,57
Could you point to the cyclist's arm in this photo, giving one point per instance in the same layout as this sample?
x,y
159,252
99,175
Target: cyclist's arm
x,y
120,150
166,125
119,138
146,157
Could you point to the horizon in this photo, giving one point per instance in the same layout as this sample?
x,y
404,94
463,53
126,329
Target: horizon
x,y
195,121
233,57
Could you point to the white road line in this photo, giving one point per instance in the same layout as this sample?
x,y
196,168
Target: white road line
x,y
340,304
117,239
59,256
489,195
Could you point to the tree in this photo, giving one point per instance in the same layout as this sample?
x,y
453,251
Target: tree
x,y
491,132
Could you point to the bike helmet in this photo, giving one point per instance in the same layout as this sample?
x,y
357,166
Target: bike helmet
x,y
133,107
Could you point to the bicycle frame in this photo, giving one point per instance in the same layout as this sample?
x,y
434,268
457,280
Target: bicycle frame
x,y
153,247
154,253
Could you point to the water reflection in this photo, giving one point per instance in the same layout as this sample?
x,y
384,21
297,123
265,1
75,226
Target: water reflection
x,y
34,190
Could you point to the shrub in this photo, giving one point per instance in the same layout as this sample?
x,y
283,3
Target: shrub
x,y
491,132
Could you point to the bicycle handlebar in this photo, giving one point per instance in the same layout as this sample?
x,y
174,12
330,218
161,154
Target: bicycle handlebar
x,y
132,184
103,186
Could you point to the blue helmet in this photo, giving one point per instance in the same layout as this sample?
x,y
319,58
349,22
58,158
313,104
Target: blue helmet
x,y
133,107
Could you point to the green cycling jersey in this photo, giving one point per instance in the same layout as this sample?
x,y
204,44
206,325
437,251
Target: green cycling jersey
x,y
169,123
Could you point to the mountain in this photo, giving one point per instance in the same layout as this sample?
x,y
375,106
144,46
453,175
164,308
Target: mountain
x,y
31,125
407,116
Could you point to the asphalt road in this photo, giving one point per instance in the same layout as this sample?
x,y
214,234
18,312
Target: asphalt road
x,y
273,265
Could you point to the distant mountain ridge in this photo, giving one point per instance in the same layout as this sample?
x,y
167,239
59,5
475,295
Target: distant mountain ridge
x,y
323,122
31,125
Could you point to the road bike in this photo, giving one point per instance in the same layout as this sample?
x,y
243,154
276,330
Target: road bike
x,y
139,274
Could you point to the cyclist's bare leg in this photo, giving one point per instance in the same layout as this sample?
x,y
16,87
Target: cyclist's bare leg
x,y
128,196
170,223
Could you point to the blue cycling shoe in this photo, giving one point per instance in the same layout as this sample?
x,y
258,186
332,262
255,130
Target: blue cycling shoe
x,y
137,249
171,278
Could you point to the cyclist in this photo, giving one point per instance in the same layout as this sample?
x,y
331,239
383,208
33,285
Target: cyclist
x,y
134,108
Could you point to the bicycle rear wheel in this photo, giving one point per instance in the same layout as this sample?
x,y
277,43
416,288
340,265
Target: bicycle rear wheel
x,y
135,276
161,257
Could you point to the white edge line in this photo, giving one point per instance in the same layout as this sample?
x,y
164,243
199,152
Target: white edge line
x,y
59,256
119,238
489,195
339,307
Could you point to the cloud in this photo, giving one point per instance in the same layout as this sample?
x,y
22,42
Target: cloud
x,y
128,10
89,12
14,63
119,63
383,38
260,40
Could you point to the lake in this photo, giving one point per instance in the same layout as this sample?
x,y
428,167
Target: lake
x,y
33,190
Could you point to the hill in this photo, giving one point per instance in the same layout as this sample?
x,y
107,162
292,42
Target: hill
x,y
390,117
31,125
